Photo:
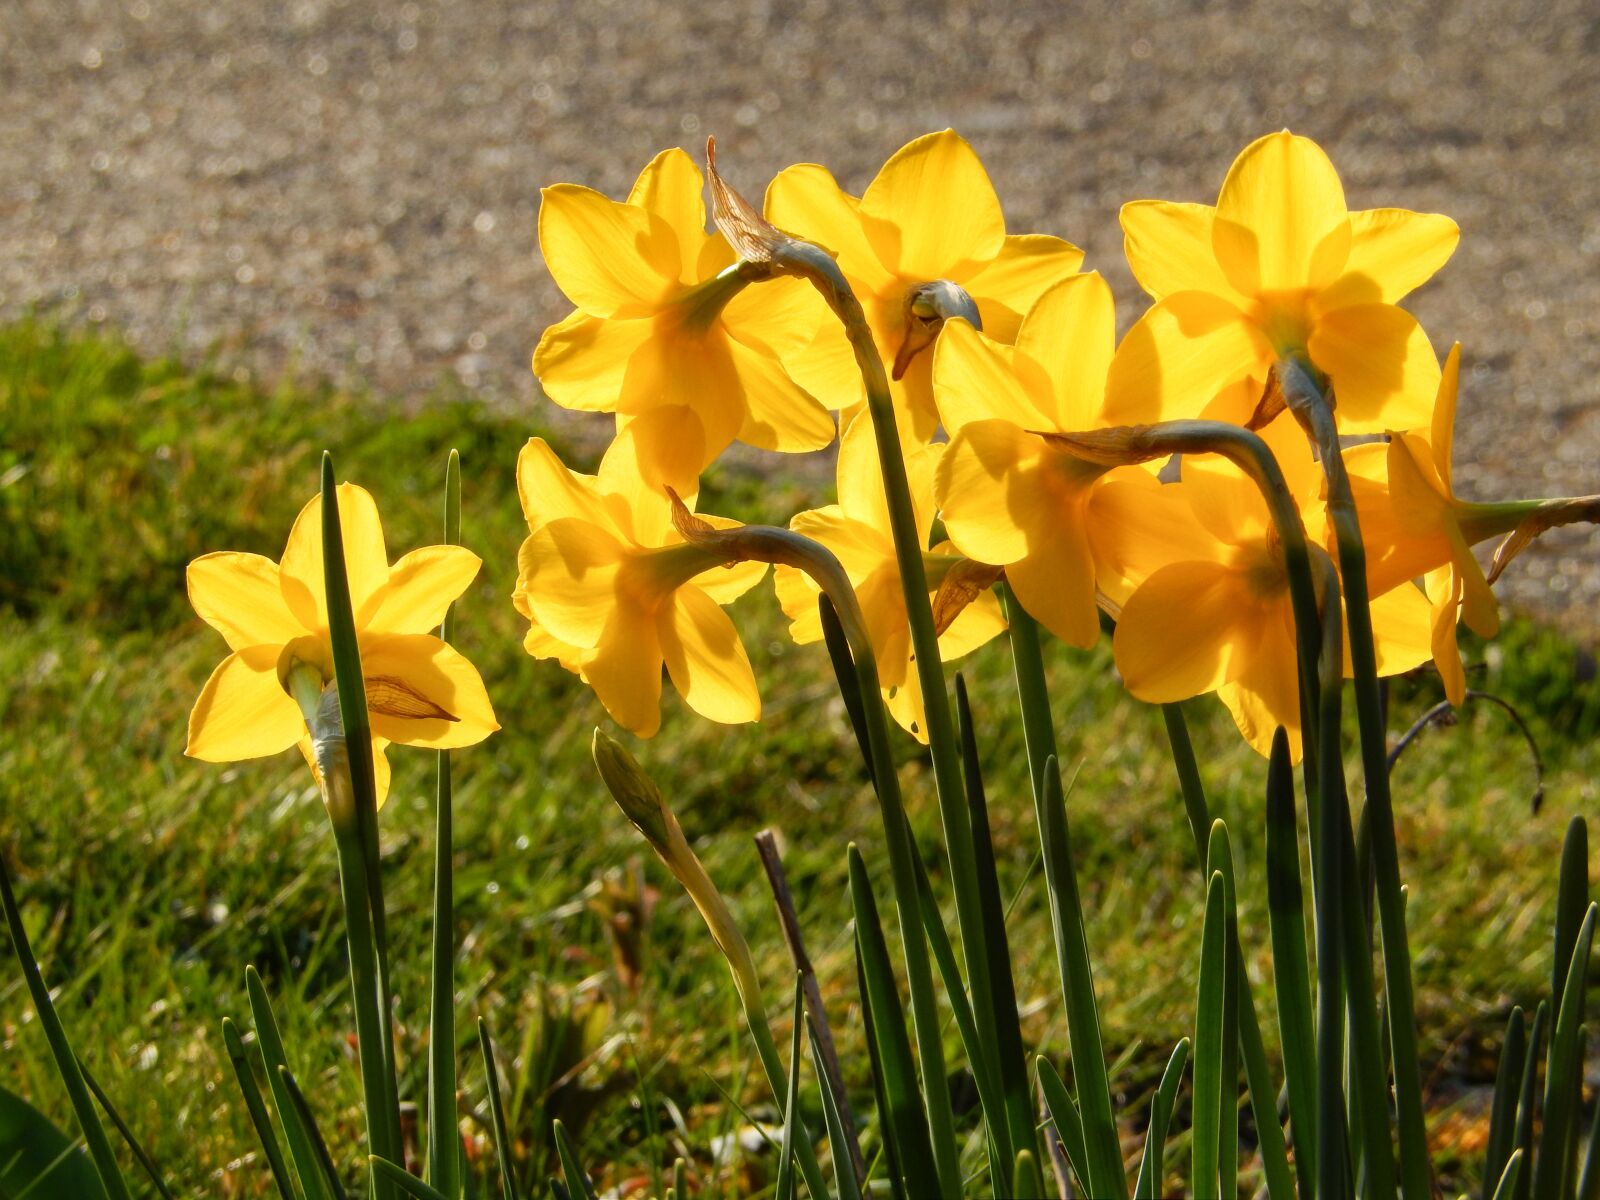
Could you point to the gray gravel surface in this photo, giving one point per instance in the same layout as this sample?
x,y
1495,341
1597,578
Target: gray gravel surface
x,y
351,188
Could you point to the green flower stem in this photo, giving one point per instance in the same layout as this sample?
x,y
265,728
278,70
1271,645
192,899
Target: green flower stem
x,y
782,546
94,1133
444,1138
1311,407
1104,1152
354,816
814,264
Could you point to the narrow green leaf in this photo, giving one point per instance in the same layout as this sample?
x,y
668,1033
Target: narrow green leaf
x,y
1528,1100
1563,1073
880,1095
577,1178
1152,1165
1503,1109
94,1134
404,1179
1589,1179
1510,1177
1067,1119
1291,960
1209,1036
998,1012
270,1042
444,1133
300,1112
146,1163
894,1044
1025,1178
257,1109
844,673
784,1189
38,1159
680,1178
1219,860
849,1187
1572,901
497,1116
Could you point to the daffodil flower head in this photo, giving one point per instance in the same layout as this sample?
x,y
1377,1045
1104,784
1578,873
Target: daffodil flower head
x,y
930,218
274,616
1010,493
666,333
1279,268
857,531
615,592
1217,615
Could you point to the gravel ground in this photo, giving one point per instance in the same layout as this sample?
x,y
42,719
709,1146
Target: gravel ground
x,y
351,189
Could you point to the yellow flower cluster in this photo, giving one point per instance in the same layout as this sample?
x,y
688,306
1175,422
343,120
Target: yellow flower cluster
x,y
997,346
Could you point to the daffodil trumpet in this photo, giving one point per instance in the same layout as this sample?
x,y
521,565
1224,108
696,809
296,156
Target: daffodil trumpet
x,y
755,237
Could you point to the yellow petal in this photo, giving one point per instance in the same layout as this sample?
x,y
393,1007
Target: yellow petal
x,y
807,201
610,259
239,596
779,413
1402,629
1478,607
439,674
1392,251
826,367
1071,333
1169,249
727,584
1185,631
1281,223
706,659
625,671
1191,355
1007,286
243,711
1137,525
422,585
861,548
1267,692
1054,581
932,211
1444,418
1384,372
1444,593
540,643
568,569
1225,501
366,561
782,315
990,486
797,597
672,188
977,624
666,447
549,490
584,362
975,379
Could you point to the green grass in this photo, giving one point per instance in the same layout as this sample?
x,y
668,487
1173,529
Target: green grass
x,y
148,880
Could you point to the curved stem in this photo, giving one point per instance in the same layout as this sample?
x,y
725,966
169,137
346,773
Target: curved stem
x,y
1312,409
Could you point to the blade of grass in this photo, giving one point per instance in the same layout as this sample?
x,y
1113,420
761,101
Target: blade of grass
x,y
444,1133
1563,1074
1503,1110
999,1010
1510,1177
1152,1164
355,837
905,1108
301,1111
1290,959
497,1116
784,1189
94,1134
1209,1036
404,1179
270,1043
577,1178
146,1163
257,1109
1068,1120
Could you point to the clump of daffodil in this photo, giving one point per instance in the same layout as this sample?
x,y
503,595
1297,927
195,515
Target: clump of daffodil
x,y
1210,609
1009,492
926,240
857,530
614,591
1280,268
666,334
274,615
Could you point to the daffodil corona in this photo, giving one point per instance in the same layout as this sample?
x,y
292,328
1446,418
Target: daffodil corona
x,y
420,691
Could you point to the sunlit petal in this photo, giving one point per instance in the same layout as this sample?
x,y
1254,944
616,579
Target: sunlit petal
x,y
366,561
1007,286
807,201
1281,221
1169,249
672,188
422,586
1185,631
439,675
706,659
239,596
1384,372
243,711
1392,251
569,571
584,362
1188,357
610,259
934,209
1070,334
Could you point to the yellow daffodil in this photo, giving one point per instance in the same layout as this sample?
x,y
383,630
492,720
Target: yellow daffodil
x,y
667,337
1218,616
614,592
857,530
1010,494
930,216
420,691
1279,268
